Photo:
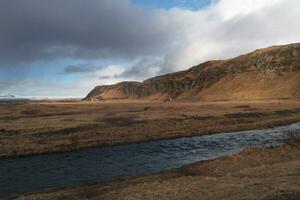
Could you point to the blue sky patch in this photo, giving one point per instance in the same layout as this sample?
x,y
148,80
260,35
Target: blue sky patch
x,y
167,4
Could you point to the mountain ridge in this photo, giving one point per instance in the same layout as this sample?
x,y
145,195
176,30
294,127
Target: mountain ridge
x,y
219,79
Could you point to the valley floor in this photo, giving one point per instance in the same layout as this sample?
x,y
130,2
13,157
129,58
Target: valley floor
x,y
255,174
47,127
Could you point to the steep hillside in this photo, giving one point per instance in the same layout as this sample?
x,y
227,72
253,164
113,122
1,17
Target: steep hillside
x,y
272,72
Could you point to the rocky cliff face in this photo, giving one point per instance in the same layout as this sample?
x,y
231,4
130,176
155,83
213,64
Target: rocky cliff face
x,y
264,65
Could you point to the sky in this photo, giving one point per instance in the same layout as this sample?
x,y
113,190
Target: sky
x,y
64,48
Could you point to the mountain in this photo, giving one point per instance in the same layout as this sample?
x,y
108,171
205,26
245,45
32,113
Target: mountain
x,y
7,96
273,72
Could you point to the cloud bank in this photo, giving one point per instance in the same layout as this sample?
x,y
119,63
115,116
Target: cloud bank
x,y
148,41
72,69
37,30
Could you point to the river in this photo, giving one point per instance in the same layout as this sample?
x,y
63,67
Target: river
x,y
33,173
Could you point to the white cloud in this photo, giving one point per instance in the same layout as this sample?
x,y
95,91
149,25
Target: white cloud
x,y
231,27
228,9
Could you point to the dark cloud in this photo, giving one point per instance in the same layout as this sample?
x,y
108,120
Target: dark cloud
x,y
105,77
78,69
143,69
37,30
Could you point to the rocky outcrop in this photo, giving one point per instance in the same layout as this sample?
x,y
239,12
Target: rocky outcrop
x,y
117,91
266,64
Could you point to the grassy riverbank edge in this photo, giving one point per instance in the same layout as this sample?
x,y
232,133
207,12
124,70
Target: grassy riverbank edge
x,y
275,122
267,173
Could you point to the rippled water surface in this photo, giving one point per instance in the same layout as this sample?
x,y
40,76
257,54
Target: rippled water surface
x,y
28,174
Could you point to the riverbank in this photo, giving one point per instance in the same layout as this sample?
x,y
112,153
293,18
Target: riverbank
x,y
257,173
37,173
48,127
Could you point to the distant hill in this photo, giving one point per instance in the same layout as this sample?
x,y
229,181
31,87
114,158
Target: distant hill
x,y
10,98
7,96
272,72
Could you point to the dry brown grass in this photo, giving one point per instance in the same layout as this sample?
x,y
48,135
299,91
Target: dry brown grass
x,y
121,121
285,195
43,127
292,138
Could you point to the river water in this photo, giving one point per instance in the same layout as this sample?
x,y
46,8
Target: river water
x,y
33,173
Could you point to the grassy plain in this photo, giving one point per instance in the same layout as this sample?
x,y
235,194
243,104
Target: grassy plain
x,y
54,126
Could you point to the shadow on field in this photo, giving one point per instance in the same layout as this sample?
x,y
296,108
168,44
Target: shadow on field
x,y
121,121
286,195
